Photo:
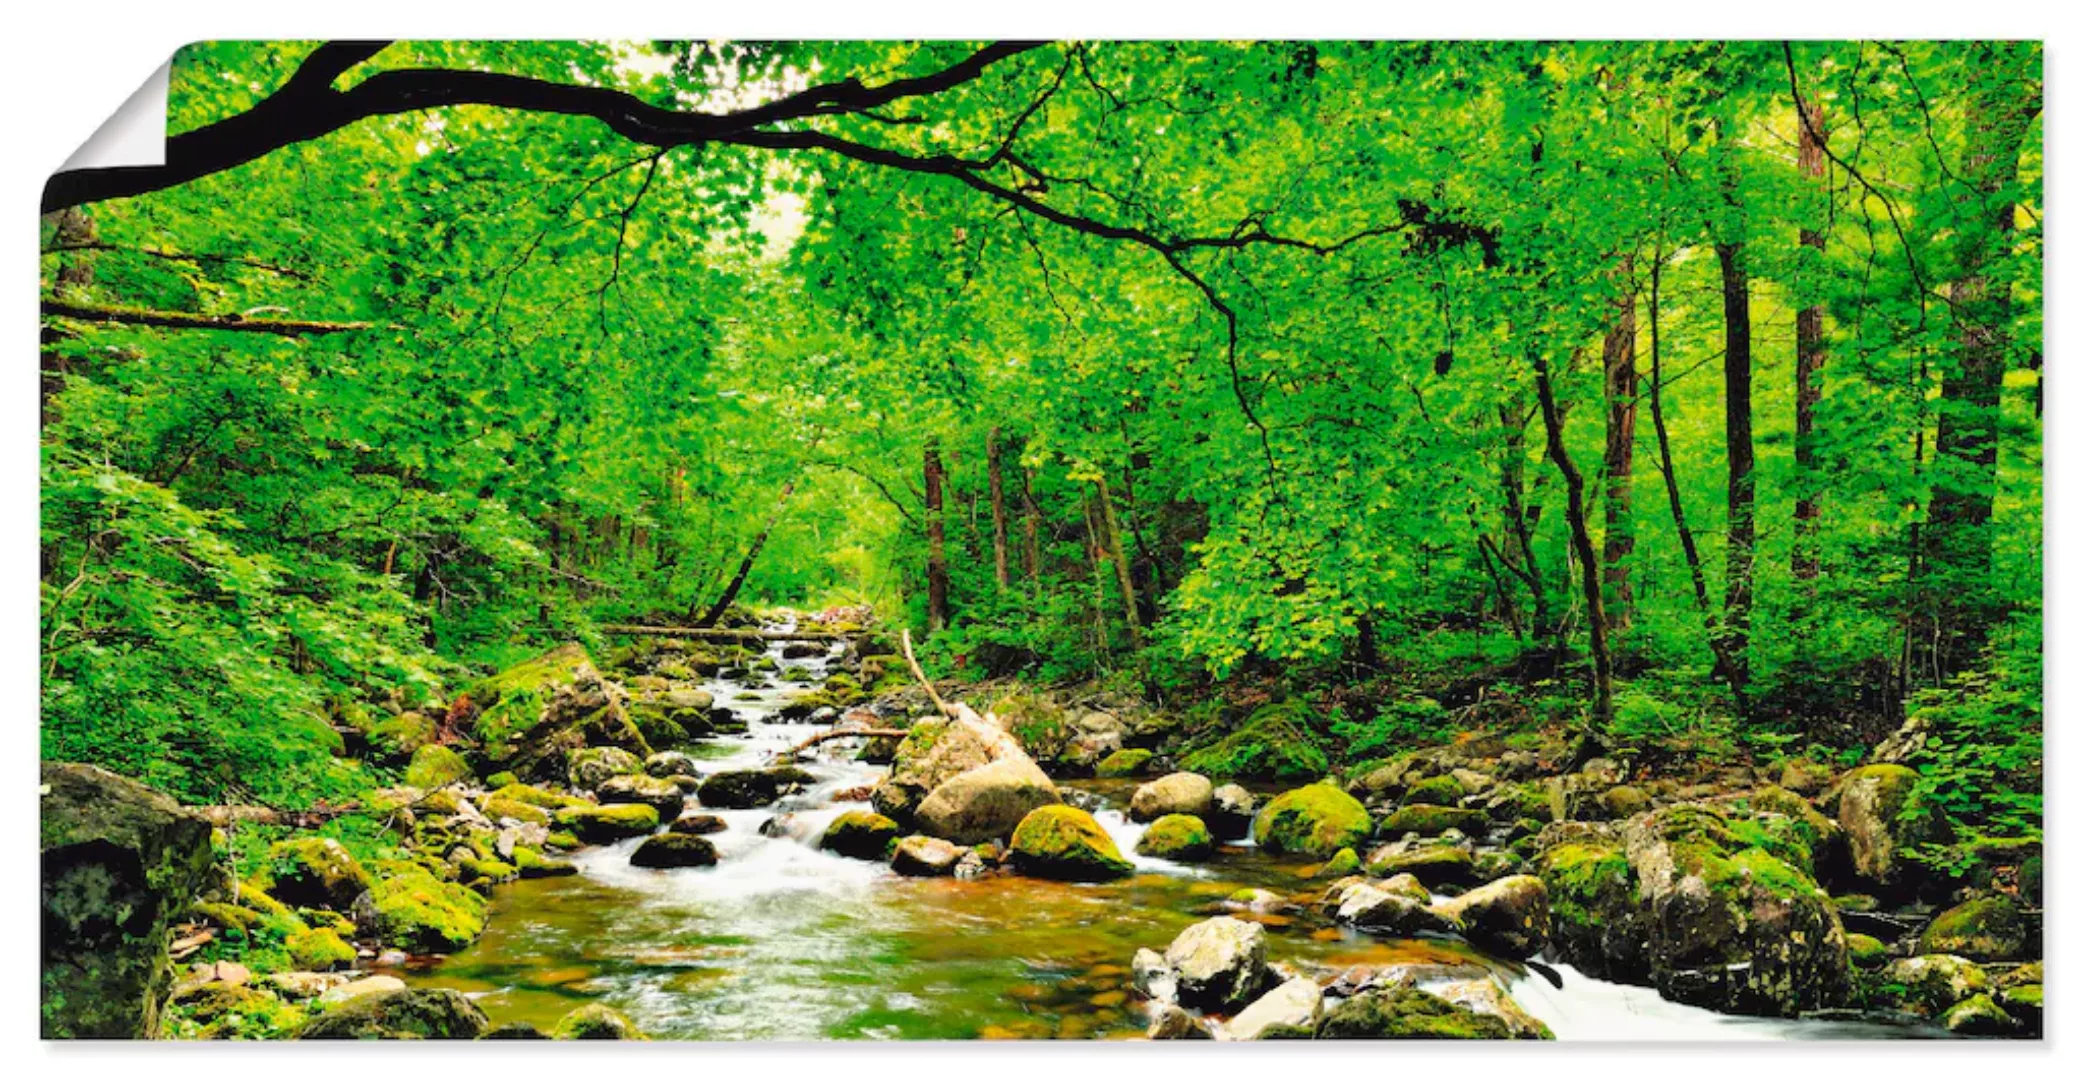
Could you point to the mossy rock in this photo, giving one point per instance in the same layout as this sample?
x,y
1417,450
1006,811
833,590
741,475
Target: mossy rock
x,y
483,871
1990,929
1180,837
511,703
534,864
434,765
315,872
563,840
860,834
1407,1013
1437,791
501,779
1065,843
1122,763
746,789
592,766
1428,820
401,1014
319,950
595,1021
228,916
419,912
1274,743
497,807
1437,867
605,824
1883,817
531,795
1978,1015
1314,820
673,851
1866,951
397,738
1344,863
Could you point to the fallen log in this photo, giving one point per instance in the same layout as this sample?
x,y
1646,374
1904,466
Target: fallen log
x,y
700,634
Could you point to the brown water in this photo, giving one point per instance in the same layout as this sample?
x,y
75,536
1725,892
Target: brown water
x,y
782,941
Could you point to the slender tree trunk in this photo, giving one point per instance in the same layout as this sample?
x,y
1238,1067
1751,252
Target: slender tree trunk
x,y
1686,541
1742,491
1621,393
1521,520
737,581
1810,354
1030,528
1957,552
936,541
997,481
1587,554
1112,527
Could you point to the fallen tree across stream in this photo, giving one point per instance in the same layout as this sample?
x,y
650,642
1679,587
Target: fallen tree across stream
x,y
713,634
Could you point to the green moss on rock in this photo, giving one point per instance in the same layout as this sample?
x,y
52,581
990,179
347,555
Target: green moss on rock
x,y
434,765
314,872
1122,763
1428,820
595,1021
319,950
860,834
419,912
1993,928
1065,843
1181,837
1314,820
604,824
1274,743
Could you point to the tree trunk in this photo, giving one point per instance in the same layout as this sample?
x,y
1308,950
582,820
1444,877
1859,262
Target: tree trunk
x,y
1621,391
997,480
936,542
1686,541
1742,491
1030,528
1521,520
1810,353
1957,552
1112,527
1587,555
737,581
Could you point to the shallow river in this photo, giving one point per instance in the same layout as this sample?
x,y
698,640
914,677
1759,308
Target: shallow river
x,y
782,941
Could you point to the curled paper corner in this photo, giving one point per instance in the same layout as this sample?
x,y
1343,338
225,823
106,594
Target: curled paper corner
x,y
134,135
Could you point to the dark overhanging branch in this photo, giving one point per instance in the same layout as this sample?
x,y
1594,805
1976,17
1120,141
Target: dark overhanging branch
x,y
188,320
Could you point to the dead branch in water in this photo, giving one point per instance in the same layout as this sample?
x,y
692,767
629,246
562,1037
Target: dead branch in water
x,y
842,733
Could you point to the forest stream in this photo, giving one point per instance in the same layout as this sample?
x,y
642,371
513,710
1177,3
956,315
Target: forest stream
x,y
781,940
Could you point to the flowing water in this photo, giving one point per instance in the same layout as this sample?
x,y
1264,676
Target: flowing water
x,y
782,941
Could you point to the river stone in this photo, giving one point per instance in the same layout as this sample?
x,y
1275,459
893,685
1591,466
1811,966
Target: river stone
x,y
1978,1015
1990,929
698,824
1486,997
1219,963
1065,843
120,861
595,765
1507,917
859,834
1402,1012
595,1022
316,872
925,856
299,985
1370,907
401,1014
1178,793
663,796
1230,810
936,750
668,851
667,764
1881,818
1289,1010
986,802
1314,820
1173,1022
746,789
1152,977
1180,837
373,984
604,824
1929,985
1435,867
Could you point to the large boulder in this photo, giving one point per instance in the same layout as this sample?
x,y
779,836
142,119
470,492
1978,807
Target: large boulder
x,y
1508,917
1882,816
986,802
1315,820
314,872
936,751
120,861
412,909
1216,964
401,1014
1680,899
1063,842
746,789
434,765
1177,793
532,717
1392,912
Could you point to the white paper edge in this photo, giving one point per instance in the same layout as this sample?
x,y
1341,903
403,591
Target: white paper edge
x,y
134,135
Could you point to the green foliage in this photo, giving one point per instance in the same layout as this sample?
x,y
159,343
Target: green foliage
x,y
1395,726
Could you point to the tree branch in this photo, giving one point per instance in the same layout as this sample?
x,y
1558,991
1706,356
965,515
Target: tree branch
x,y
188,320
